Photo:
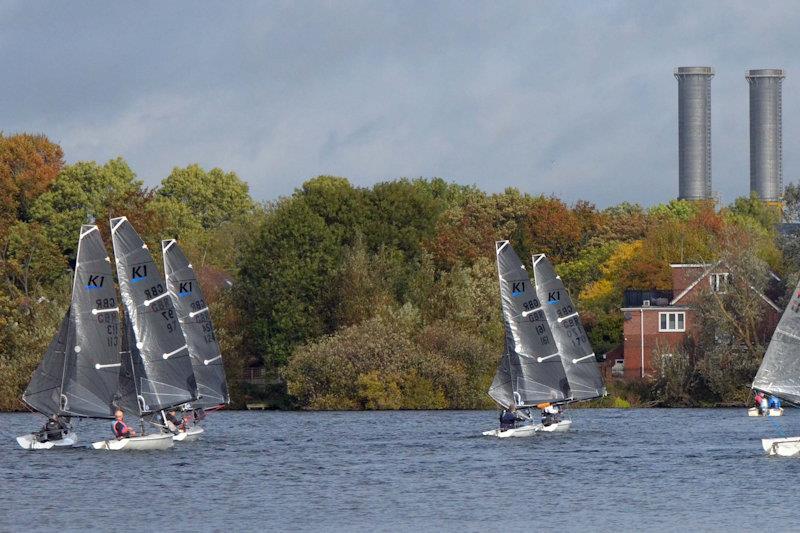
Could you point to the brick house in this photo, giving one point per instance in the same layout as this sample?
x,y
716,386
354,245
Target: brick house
x,y
664,319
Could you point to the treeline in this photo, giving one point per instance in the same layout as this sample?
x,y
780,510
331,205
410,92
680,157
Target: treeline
x,y
354,298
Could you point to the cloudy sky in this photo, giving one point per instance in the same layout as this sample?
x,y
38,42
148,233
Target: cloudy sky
x,y
575,99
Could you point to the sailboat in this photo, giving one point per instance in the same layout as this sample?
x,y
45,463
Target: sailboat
x,y
577,356
156,373
78,374
531,370
195,322
779,373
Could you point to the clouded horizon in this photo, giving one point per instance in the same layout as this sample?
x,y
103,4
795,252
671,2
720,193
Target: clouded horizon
x,y
572,99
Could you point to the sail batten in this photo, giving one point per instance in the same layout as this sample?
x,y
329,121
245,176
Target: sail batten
x,y
577,356
156,372
195,323
779,373
530,371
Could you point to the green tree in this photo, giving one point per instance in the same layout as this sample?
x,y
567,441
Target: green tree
x,y
212,197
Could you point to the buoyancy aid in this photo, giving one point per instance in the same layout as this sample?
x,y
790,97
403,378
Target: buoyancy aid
x,y
120,429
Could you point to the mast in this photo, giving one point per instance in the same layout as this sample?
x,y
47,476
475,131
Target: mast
x,y
779,373
530,371
577,356
157,374
195,322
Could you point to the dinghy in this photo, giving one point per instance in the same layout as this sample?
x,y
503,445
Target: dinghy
x,y
198,331
78,375
156,373
753,411
530,371
191,434
779,373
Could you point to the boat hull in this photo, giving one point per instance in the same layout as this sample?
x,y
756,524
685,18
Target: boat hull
x,y
147,442
529,430
29,442
191,434
771,412
786,447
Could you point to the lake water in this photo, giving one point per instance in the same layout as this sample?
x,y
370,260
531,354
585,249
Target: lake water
x,y
669,469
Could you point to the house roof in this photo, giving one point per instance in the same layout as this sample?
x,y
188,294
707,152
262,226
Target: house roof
x,y
709,267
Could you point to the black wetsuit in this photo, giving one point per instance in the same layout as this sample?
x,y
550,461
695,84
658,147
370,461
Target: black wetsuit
x,y
53,430
508,419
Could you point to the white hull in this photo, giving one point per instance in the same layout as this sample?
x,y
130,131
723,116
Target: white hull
x,y
147,442
191,434
771,412
529,430
786,447
29,442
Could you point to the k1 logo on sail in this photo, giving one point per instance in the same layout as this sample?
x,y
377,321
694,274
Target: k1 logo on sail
x,y
138,273
184,288
517,288
95,281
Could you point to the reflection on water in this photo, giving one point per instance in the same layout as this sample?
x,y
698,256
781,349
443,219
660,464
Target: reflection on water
x,y
635,469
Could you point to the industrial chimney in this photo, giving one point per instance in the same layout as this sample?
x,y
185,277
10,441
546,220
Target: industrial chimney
x,y
694,132
766,142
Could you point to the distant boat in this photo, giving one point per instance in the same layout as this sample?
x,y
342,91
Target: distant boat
x,y
78,374
530,372
156,372
779,373
201,341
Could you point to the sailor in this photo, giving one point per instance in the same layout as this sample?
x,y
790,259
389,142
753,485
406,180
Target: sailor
x,y
121,430
551,414
508,418
757,399
173,423
774,402
764,405
54,429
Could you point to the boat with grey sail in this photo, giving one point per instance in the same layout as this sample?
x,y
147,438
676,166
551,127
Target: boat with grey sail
x,y
198,331
530,372
77,377
156,372
779,373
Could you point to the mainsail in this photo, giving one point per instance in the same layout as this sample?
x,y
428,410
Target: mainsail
x,y
156,368
530,370
92,362
577,356
195,321
779,373
78,374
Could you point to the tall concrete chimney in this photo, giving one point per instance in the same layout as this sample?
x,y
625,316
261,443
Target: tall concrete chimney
x,y
694,132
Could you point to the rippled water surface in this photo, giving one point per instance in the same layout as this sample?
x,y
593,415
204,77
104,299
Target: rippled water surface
x,y
617,469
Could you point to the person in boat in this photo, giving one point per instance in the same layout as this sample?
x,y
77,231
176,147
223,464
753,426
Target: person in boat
x,y
774,402
173,423
764,405
54,429
551,415
757,399
508,418
121,429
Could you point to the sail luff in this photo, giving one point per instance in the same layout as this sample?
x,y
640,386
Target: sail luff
x,y
164,376
536,373
779,372
195,322
577,356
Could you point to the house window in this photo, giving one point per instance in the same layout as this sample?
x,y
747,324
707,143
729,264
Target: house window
x,y
719,281
672,321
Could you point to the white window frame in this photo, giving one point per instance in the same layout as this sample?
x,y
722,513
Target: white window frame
x,y
671,318
715,279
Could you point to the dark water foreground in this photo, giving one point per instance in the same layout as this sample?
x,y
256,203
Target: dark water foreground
x,y
643,469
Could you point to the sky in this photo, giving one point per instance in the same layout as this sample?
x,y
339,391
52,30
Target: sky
x,y
575,99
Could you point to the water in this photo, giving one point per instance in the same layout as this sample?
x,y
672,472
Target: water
x,y
615,470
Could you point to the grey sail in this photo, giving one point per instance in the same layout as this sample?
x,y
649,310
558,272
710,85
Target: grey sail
x,y
779,373
93,360
44,390
159,358
577,356
534,367
195,321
